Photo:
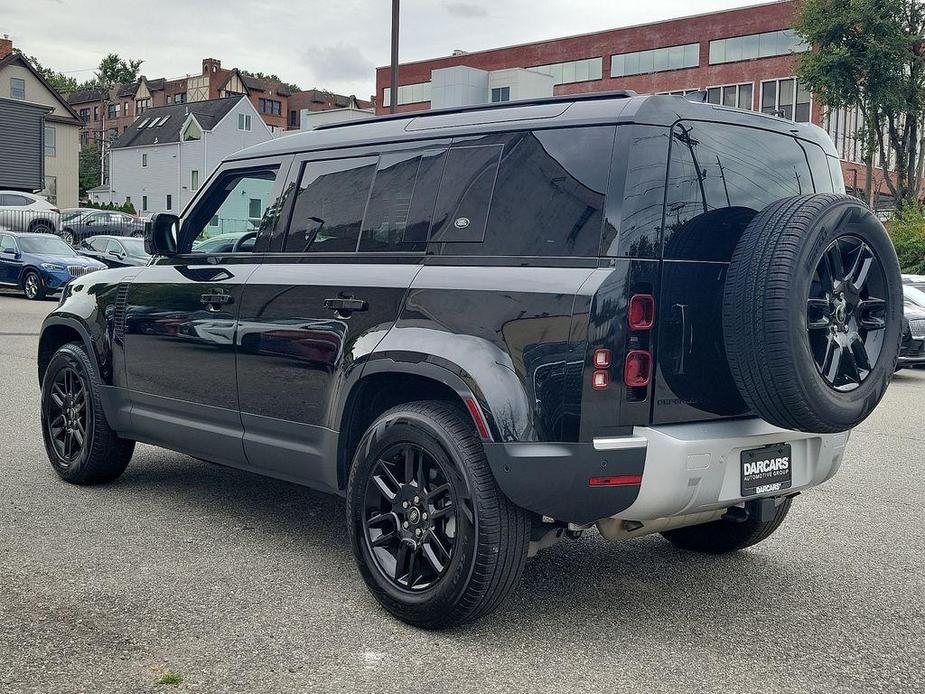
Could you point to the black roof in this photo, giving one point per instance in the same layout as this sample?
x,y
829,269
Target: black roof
x,y
207,113
558,111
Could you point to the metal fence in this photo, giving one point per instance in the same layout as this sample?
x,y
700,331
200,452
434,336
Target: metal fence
x,y
12,219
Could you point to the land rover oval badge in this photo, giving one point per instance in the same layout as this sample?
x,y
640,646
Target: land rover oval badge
x,y
461,222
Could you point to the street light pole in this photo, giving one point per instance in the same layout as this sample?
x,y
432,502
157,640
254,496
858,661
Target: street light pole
x,y
393,90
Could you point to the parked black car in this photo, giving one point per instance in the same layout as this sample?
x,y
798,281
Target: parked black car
x,y
115,251
912,350
495,327
80,223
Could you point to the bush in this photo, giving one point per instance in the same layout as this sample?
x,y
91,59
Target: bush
x,y
908,234
126,207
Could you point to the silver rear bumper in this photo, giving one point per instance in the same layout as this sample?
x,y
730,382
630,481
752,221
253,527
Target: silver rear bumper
x,y
693,468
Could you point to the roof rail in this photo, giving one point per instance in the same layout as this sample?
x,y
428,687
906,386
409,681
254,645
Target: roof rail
x,y
560,98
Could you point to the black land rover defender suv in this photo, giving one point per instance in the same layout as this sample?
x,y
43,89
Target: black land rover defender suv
x,y
489,328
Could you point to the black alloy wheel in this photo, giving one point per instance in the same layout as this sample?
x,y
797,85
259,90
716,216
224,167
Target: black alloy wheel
x,y
410,513
846,312
66,416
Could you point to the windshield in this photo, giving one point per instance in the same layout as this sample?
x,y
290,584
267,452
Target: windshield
x,y
46,245
916,296
135,247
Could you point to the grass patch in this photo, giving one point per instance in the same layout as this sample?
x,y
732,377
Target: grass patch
x,y
170,678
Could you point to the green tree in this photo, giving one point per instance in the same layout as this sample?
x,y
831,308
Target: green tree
x,y
88,167
61,82
868,54
114,70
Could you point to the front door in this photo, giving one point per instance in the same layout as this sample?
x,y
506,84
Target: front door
x,y
9,264
327,294
181,319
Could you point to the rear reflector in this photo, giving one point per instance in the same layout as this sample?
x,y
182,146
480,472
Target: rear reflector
x,y
601,358
615,480
641,311
476,413
600,380
637,369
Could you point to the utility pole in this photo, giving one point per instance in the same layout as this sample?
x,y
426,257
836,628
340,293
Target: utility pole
x,y
393,90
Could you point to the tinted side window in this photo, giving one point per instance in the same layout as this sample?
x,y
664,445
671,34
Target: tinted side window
x,y
465,194
720,177
818,167
98,244
7,243
401,203
548,199
329,205
14,200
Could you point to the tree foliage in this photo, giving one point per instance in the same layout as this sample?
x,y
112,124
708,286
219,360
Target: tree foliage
x,y
61,82
88,167
114,70
264,76
869,54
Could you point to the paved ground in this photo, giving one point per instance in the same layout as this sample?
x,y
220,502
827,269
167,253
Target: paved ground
x,y
241,584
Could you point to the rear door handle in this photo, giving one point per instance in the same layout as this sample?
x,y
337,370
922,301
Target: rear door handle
x,y
345,306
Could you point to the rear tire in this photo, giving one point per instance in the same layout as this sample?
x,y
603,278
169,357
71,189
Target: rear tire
x,y
723,536
81,446
41,226
485,540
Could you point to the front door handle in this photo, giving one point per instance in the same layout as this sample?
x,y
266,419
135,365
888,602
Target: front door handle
x,y
215,300
345,306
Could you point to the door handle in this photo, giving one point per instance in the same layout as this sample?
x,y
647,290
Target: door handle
x,y
215,300
345,306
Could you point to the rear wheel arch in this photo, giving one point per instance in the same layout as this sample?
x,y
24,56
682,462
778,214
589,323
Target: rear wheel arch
x,y
386,386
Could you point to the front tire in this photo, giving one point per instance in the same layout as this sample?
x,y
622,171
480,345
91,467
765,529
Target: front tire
x,y
80,444
724,536
436,541
33,288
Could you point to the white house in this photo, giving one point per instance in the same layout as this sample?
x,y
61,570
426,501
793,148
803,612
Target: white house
x,y
160,160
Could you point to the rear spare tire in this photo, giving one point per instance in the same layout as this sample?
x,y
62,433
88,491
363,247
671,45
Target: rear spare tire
x,y
812,311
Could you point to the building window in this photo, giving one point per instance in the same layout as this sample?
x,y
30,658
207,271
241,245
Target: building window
x,y
85,115
843,127
572,71
754,46
51,136
144,159
169,202
679,92
125,108
732,95
85,139
179,98
244,121
269,106
194,180
112,111
17,88
254,210
142,105
786,98
96,113
408,94
144,203
500,94
293,119
655,60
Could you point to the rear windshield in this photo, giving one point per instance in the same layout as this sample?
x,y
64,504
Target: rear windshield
x,y
720,176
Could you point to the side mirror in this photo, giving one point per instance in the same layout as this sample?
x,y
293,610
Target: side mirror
x,y
161,234
115,254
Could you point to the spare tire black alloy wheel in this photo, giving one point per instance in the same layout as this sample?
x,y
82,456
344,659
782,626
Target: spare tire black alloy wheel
x,y
812,313
846,312
410,512
66,416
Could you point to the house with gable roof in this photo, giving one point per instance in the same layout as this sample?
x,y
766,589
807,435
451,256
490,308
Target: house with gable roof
x,y
166,155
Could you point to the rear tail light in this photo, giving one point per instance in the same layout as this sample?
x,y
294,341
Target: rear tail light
x,y
600,380
641,311
637,369
601,358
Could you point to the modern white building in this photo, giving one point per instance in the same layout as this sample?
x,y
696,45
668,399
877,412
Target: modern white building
x,y
309,120
162,159
461,85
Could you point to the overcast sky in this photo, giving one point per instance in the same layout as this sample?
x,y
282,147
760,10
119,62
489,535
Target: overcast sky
x,y
334,44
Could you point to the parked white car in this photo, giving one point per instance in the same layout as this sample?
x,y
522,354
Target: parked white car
x,y
28,212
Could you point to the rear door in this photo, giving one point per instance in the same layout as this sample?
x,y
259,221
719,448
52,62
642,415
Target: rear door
x,y
327,294
181,320
720,176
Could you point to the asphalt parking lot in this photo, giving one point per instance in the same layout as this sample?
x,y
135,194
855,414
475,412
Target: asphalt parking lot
x,y
242,584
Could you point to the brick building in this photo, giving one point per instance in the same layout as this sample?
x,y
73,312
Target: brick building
x,y
743,57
